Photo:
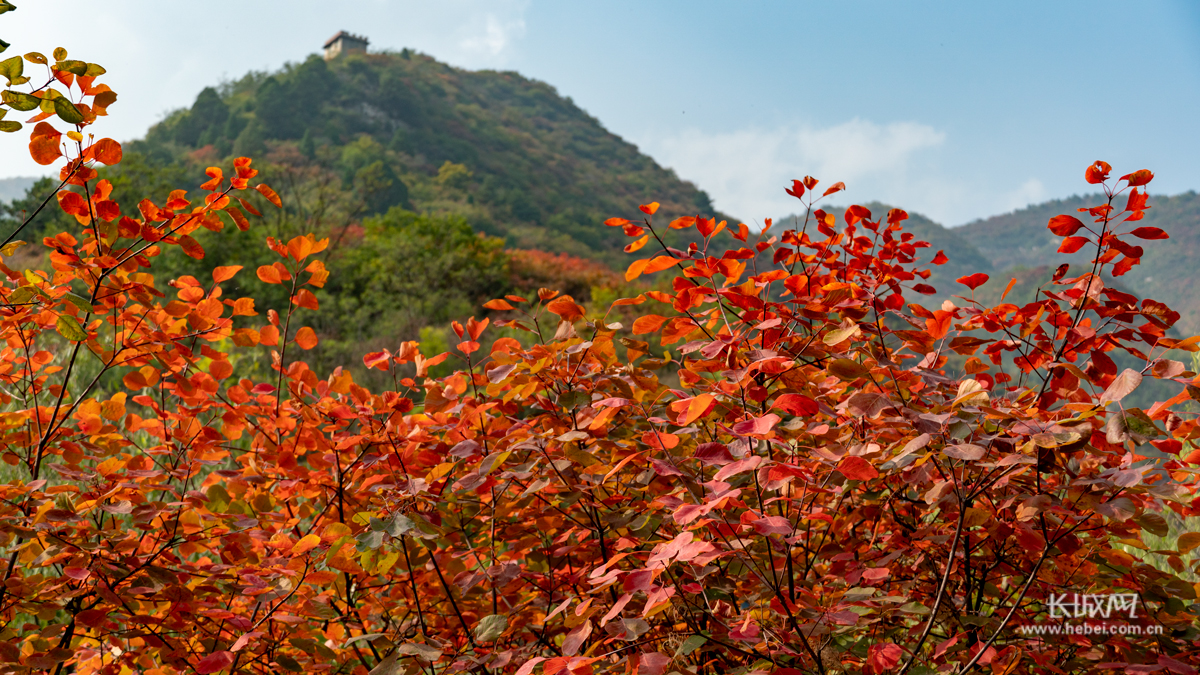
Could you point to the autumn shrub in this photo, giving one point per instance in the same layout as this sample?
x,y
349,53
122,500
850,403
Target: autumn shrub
x,y
797,486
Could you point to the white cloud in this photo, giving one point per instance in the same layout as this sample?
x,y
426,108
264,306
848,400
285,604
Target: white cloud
x,y
745,171
494,36
899,163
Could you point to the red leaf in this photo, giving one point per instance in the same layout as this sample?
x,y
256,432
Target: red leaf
x,y
973,281
1065,226
1140,177
896,215
796,404
797,189
1072,244
214,662
940,259
884,656
1150,233
1097,172
773,525
836,187
73,204
377,360
566,308
758,426
857,468
855,213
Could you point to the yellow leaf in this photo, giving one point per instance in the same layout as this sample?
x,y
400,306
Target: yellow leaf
x,y
306,544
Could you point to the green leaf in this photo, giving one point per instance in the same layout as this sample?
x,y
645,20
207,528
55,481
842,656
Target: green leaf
x,y
95,70
21,295
369,541
12,69
19,100
69,328
72,66
848,370
10,126
401,525
490,627
67,111
690,645
6,6
218,498
80,304
4,45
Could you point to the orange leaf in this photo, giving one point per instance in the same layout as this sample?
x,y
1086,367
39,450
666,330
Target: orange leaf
x,y
244,307
269,194
249,207
836,187
300,247
566,308
306,544
635,269
73,204
648,324
650,208
43,144
1011,283
225,273
107,151
1139,177
239,218
269,274
637,244
220,369
306,338
659,264
497,304
217,176
191,247
304,298
692,409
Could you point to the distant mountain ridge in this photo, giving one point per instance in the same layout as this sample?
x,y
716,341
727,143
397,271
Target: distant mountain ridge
x,y
1170,269
15,188
1019,245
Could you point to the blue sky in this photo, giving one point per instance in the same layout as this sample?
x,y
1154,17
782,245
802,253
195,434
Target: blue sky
x,y
957,110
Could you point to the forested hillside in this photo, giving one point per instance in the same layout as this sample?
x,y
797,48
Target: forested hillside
x,y
438,189
1169,271
505,152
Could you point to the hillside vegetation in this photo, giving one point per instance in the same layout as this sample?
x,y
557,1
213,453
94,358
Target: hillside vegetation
x,y
507,153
